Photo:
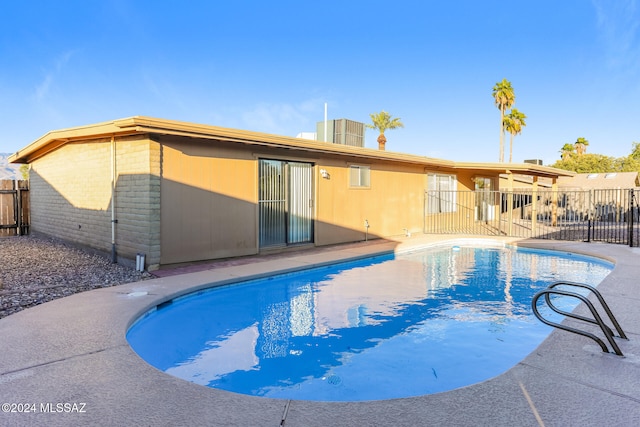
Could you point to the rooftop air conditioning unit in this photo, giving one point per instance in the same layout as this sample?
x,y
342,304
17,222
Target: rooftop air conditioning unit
x,y
342,131
534,162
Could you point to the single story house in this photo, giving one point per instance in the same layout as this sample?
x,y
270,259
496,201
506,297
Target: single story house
x,y
180,192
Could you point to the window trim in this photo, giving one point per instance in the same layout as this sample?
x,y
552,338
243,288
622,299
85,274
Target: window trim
x,y
366,169
442,205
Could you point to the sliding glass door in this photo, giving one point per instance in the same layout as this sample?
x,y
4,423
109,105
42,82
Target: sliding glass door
x,y
285,202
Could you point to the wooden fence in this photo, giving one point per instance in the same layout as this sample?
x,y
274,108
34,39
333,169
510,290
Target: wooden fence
x,y
14,207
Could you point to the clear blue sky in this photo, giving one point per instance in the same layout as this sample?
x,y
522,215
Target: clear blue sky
x,y
271,66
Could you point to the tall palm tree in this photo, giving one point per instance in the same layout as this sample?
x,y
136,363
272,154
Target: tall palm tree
x,y
383,121
513,123
567,150
581,145
504,98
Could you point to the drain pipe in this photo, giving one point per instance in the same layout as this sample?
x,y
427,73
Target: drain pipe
x,y
114,256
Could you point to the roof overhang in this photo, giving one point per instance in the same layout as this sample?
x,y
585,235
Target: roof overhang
x,y
140,125
514,168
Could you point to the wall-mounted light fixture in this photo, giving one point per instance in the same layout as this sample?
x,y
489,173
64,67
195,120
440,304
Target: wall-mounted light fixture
x,y
325,174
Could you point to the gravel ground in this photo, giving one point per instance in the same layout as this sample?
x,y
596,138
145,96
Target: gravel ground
x,y
35,269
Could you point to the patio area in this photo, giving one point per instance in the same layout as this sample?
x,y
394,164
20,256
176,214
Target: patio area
x,y
73,351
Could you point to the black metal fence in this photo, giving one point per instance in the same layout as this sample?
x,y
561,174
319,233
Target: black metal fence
x,y
610,215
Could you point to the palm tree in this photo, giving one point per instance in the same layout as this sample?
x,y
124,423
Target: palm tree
x,y
504,97
383,121
513,123
567,150
581,145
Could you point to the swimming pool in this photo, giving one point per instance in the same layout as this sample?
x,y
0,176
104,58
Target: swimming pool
x,y
384,327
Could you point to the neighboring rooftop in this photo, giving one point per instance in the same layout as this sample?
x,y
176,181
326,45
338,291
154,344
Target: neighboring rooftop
x,y
600,181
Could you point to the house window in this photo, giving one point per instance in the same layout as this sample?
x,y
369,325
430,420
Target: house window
x,y
483,184
442,193
359,176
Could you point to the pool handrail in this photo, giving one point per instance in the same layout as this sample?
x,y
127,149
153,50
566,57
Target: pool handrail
x,y
598,295
596,317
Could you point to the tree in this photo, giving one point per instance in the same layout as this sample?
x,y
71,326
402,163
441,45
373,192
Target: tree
x,y
384,121
581,146
513,123
627,164
587,163
24,171
597,163
567,150
635,150
504,98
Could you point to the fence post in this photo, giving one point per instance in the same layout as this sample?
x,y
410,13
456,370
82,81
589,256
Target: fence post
x,y
554,202
534,207
589,216
424,213
510,212
631,195
16,185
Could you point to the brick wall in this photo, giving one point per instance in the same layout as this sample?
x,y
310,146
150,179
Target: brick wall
x,y
71,196
138,199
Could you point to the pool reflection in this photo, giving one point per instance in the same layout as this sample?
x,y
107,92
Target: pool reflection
x,y
344,332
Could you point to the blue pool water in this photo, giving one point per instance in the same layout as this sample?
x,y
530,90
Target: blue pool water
x,y
379,328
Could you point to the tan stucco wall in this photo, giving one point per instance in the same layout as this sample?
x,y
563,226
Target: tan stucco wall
x,y
466,180
71,195
209,201
392,203
181,199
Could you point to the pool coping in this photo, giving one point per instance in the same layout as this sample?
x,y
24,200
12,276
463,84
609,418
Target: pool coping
x,y
74,351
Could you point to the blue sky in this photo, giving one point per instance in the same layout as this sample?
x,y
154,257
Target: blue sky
x,y
271,66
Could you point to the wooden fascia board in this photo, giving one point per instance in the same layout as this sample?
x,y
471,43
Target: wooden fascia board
x,y
54,140
266,140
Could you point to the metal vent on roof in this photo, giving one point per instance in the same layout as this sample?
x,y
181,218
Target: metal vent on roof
x,y
342,131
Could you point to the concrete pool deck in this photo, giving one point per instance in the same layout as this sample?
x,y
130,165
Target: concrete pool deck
x,y
73,351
